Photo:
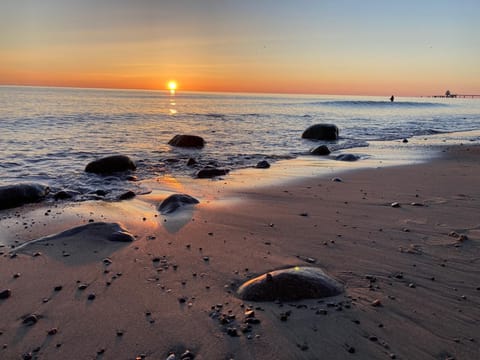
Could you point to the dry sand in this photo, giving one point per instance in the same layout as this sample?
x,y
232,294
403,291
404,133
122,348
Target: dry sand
x,y
173,288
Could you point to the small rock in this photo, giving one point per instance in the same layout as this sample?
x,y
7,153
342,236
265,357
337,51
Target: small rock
x,y
350,349
5,294
262,165
91,296
52,331
321,150
395,205
376,303
232,331
58,288
337,179
30,320
187,355
127,195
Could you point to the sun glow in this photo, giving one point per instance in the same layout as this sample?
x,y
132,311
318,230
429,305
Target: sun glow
x,y
172,86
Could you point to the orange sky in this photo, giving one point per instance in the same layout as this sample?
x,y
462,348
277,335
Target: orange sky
x,y
326,47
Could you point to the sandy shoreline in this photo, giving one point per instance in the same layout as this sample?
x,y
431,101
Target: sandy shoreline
x,y
165,291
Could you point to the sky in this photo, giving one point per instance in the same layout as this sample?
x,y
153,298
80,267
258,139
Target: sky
x,y
351,47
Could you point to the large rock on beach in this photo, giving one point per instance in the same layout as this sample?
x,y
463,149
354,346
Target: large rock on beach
x,y
111,164
19,194
82,244
321,150
176,201
208,173
295,283
189,141
321,132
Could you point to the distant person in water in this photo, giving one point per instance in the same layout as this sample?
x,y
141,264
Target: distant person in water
x,y
392,98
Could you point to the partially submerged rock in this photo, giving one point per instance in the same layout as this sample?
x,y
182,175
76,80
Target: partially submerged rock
x,y
208,173
321,132
187,141
176,201
19,194
264,164
111,164
321,150
290,284
347,157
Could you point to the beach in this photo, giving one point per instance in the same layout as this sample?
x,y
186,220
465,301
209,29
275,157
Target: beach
x,y
402,240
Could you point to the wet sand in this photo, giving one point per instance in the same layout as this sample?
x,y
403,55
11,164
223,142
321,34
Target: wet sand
x,y
410,272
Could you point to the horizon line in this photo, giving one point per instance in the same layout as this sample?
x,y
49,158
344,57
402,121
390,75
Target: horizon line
x,y
205,91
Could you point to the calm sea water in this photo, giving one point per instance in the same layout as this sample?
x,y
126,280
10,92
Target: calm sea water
x,y
48,135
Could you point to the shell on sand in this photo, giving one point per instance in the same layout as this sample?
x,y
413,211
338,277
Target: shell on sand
x,y
290,284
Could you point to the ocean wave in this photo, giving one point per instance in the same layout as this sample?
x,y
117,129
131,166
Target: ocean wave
x,y
377,104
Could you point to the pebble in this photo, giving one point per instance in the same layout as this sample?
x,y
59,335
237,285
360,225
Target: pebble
x,y
376,303
5,294
351,349
91,296
30,319
187,355
170,357
395,205
58,288
232,331
52,331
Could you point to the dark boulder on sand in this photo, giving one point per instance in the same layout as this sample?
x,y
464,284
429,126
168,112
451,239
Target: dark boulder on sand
x,y
19,194
321,150
187,141
176,201
290,284
208,173
321,132
111,164
347,157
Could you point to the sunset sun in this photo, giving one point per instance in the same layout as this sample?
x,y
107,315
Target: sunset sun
x,y
172,85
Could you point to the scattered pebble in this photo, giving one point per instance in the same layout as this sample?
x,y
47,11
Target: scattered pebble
x,y
5,294
395,205
30,320
376,303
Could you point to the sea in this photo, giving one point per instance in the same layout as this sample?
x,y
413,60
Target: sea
x,y
49,135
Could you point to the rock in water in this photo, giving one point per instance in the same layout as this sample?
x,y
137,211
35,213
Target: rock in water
x,y
19,194
347,157
187,141
321,150
321,132
111,164
175,201
262,164
290,284
208,173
